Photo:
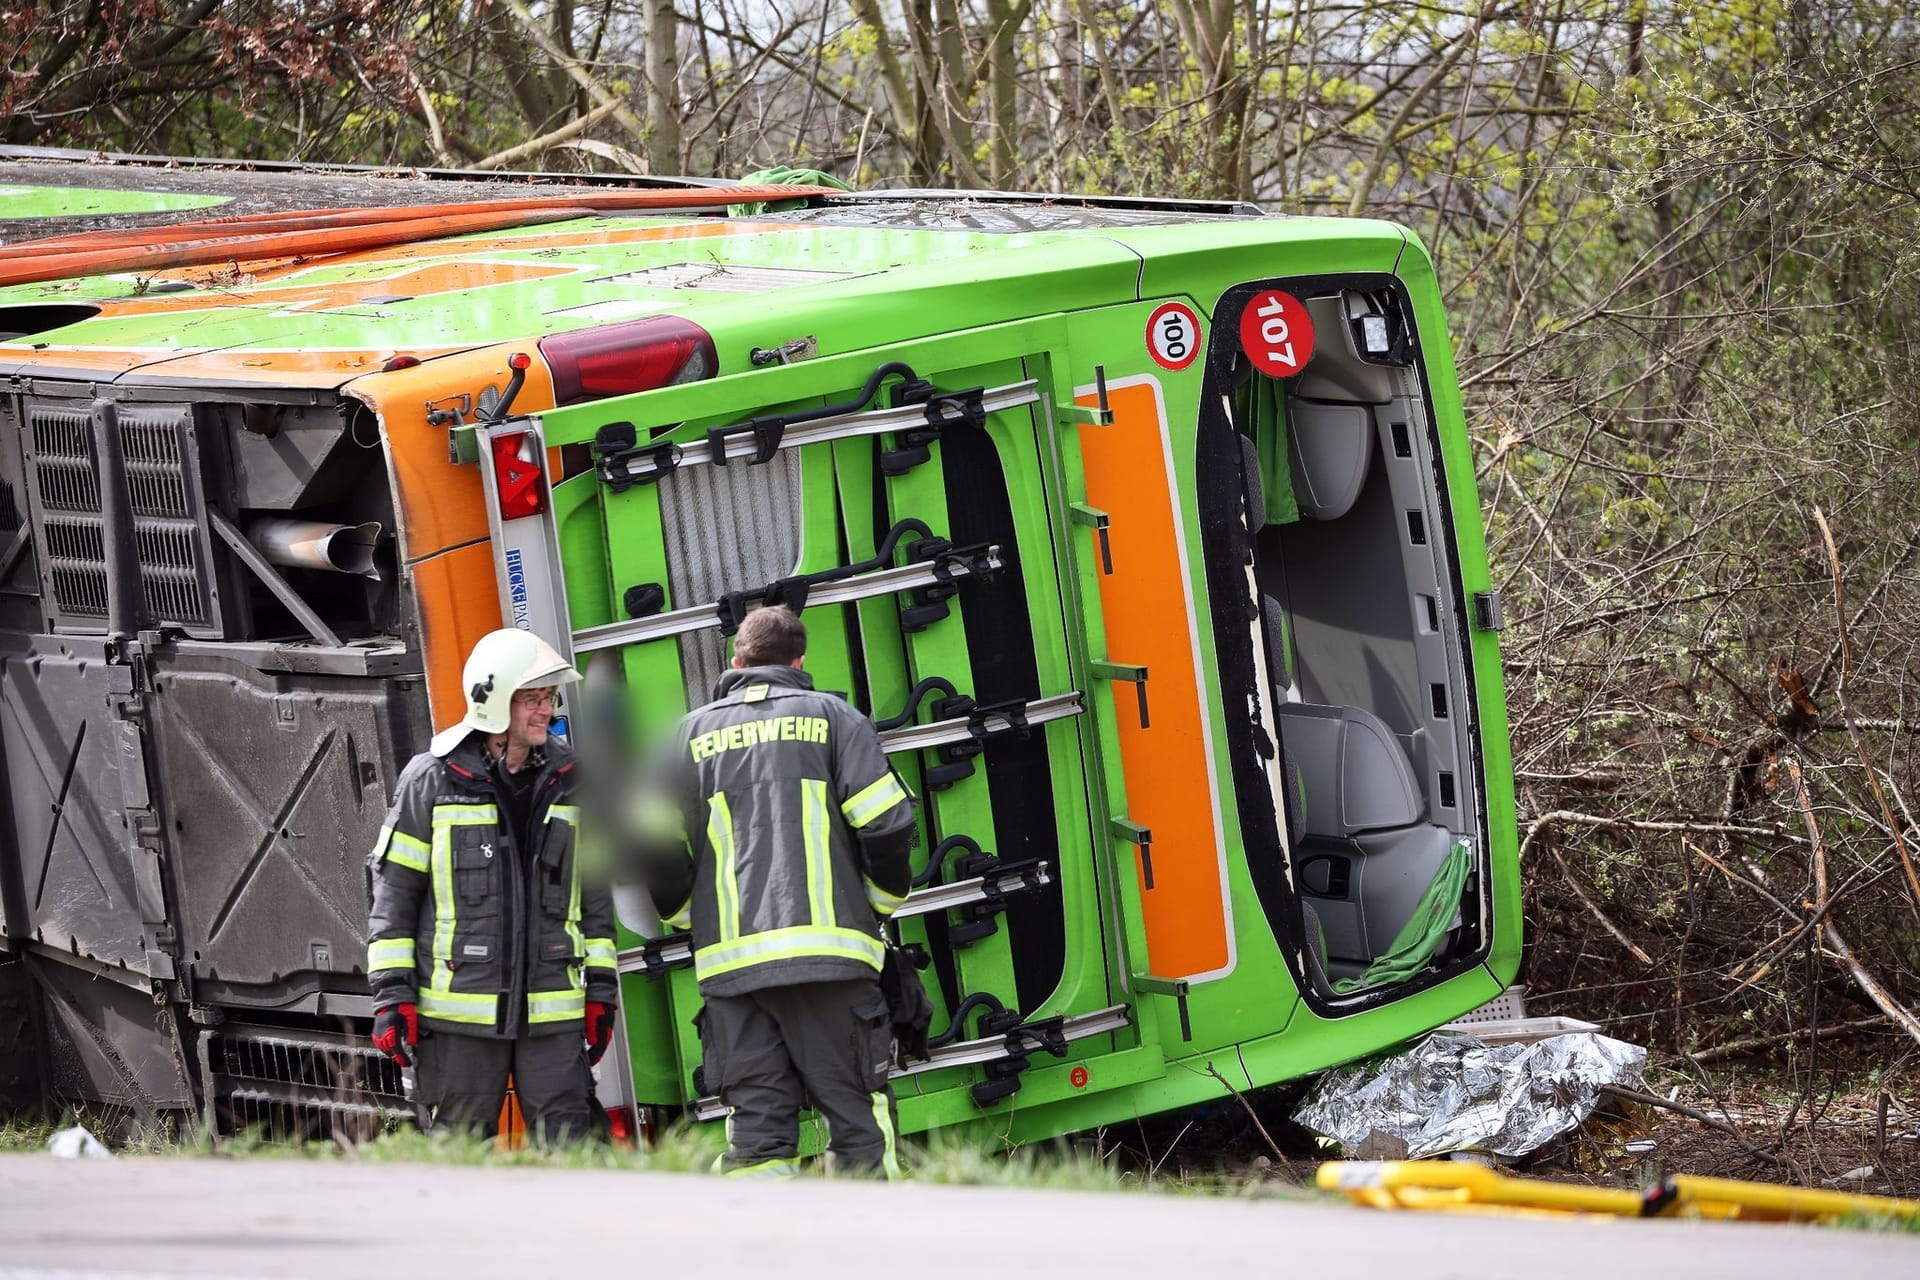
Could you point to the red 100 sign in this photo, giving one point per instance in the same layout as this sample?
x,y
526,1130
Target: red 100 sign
x,y
1173,335
1276,333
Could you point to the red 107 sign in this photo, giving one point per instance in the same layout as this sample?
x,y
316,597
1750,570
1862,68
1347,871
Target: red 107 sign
x,y
1276,333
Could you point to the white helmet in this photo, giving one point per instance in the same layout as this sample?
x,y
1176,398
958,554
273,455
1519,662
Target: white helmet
x,y
502,663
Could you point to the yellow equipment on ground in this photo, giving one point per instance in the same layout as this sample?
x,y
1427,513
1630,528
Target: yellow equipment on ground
x,y
1461,1187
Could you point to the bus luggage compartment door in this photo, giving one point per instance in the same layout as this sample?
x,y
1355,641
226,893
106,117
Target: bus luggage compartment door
x,y
272,788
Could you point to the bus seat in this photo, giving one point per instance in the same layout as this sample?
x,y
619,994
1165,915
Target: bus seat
x,y
1369,852
1357,774
1332,453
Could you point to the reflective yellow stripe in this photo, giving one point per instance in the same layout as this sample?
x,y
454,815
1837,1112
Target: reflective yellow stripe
x,y
883,902
681,919
785,1167
804,942
813,827
573,897
872,801
445,818
443,908
453,1006
564,813
883,1116
556,1006
389,953
601,954
405,850
726,876
464,815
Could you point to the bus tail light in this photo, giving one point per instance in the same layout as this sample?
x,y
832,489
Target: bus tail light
x,y
620,359
519,475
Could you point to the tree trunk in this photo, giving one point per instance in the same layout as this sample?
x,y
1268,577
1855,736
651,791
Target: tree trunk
x,y
663,74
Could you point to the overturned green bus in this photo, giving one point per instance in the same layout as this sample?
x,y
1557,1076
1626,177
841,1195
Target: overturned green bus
x,y
1146,530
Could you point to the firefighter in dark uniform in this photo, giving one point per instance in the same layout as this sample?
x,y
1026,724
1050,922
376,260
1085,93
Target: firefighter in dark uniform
x,y
490,945
790,838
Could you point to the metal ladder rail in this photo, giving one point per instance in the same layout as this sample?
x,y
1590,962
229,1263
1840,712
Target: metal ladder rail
x,y
1008,1044
959,563
649,463
661,954
986,722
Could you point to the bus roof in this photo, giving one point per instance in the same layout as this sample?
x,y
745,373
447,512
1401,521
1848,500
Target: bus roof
x,y
324,320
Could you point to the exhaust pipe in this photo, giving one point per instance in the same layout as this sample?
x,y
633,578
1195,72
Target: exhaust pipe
x,y
316,544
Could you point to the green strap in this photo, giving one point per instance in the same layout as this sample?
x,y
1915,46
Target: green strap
x,y
1413,947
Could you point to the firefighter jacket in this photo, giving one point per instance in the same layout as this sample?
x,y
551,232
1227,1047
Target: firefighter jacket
x,y
797,830
485,938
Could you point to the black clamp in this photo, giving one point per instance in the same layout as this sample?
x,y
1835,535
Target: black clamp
x,y
978,918
644,600
663,455
956,758
944,409
931,601
655,963
766,432
617,443
734,607
1048,1035
1003,1074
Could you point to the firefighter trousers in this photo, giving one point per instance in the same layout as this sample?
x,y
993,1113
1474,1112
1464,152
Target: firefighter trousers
x,y
463,1083
766,1052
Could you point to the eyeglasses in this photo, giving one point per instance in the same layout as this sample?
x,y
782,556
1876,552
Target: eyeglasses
x,y
534,698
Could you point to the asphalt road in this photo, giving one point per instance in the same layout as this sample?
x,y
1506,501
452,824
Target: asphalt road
x,y
284,1219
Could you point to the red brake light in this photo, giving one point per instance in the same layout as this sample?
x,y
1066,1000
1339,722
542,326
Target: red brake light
x,y
518,473
620,359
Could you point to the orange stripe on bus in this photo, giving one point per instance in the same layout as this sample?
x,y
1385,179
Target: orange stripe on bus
x,y
442,506
1150,621
458,604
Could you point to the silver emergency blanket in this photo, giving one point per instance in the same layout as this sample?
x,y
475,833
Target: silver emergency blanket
x,y
1452,1092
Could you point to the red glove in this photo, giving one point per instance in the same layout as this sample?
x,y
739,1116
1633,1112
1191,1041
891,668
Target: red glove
x,y
599,1029
396,1029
